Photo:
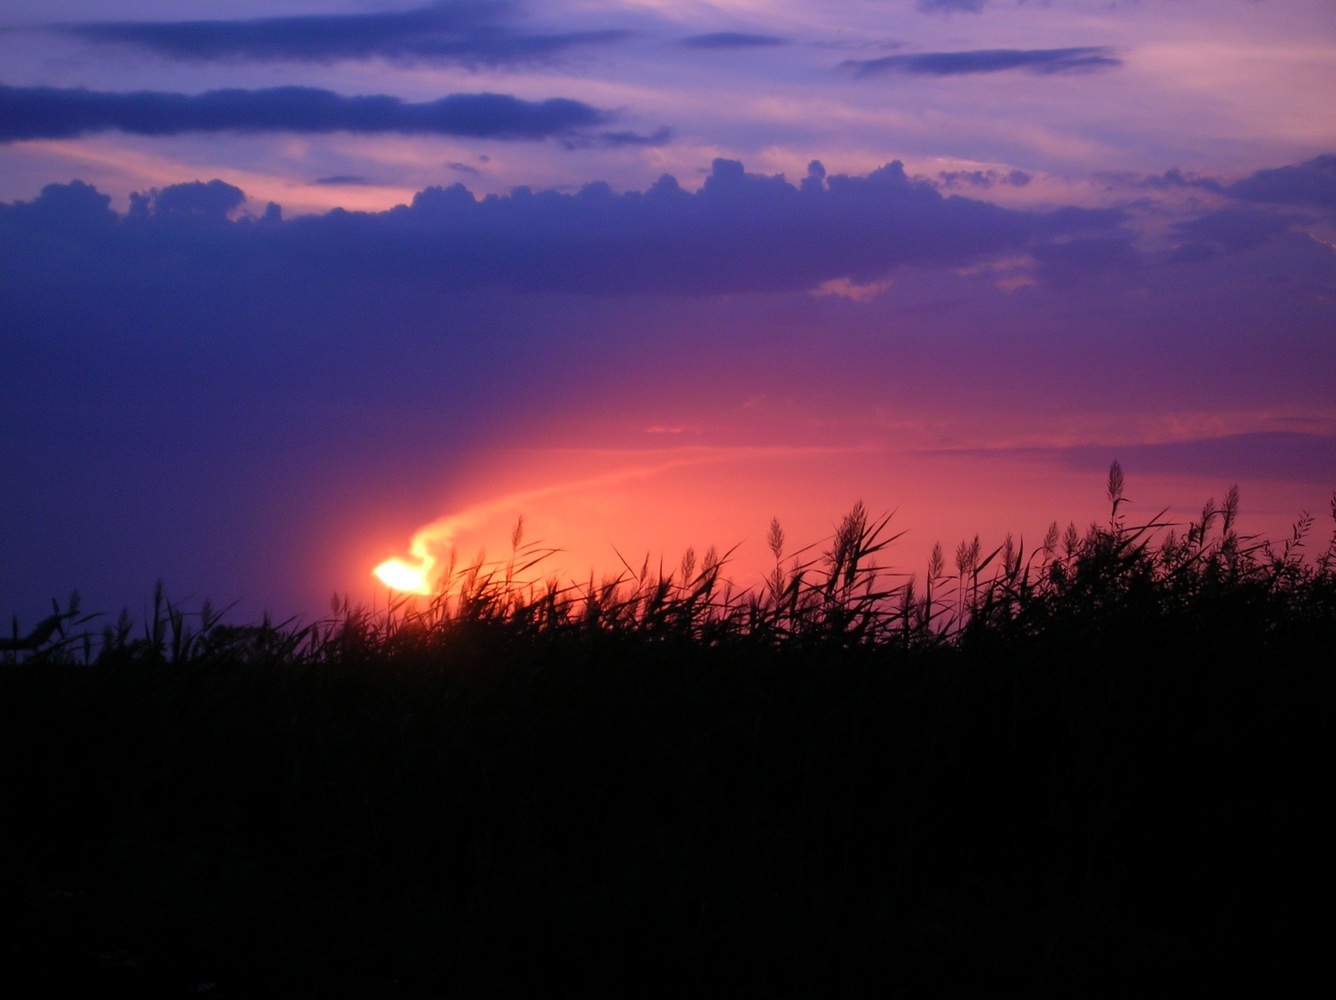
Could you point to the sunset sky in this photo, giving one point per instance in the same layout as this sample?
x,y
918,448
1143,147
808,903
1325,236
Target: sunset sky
x,y
285,283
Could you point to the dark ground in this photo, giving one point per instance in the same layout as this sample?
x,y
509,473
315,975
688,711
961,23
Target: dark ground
x,y
1098,811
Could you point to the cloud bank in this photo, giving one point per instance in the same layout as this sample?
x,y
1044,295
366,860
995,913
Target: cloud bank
x,y
58,113
740,232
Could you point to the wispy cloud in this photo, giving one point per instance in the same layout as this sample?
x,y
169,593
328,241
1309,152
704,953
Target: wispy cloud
x,y
659,137
341,180
54,113
950,6
982,178
1045,61
470,32
1281,455
732,40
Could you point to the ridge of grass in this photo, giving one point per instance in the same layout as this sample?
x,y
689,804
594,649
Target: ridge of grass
x,y
836,595
1095,768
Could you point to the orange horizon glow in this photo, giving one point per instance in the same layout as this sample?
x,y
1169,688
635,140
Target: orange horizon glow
x,y
479,522
600,514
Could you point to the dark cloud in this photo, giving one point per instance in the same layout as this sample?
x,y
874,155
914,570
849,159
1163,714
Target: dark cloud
x,y
1310,183
197,201
337,180
470,32
1175,178
731,40
51,113
659,137
1231,230
75,207
950,6
982,178
1045,61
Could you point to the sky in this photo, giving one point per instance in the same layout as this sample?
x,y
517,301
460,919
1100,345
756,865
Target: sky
x,y
291,288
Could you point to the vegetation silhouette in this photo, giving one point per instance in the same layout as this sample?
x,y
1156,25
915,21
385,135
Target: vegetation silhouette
x,y
1098,767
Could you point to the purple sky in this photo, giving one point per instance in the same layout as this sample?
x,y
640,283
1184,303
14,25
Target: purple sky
x,y
287,282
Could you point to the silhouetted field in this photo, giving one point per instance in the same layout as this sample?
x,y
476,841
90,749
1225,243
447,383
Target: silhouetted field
x,y
1098,769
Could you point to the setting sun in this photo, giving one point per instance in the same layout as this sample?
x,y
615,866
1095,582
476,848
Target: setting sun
x,y
399,575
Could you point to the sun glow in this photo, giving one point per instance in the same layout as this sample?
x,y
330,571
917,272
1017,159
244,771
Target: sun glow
x,y
650,505
415,575
400,575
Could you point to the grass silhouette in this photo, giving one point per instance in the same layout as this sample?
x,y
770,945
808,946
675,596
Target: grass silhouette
x,y
1094,768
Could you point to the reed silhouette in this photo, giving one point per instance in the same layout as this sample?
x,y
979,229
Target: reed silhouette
x,y
1093,767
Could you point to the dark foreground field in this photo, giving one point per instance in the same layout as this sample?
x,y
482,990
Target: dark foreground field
x,y
1103,773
